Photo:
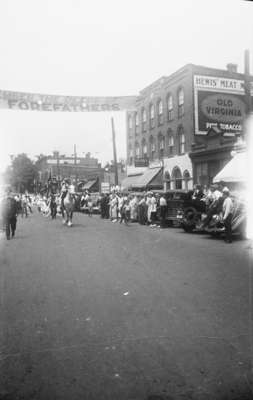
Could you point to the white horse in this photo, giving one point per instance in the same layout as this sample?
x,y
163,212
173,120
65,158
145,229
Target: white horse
x,y
68,206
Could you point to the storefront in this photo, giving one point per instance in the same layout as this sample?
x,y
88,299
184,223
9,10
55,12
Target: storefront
x,y
210,156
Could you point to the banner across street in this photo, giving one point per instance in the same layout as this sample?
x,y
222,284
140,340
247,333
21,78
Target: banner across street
x,y
43,102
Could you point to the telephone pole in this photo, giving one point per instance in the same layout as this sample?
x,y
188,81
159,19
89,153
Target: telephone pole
x,y
75,163
247,82
114,154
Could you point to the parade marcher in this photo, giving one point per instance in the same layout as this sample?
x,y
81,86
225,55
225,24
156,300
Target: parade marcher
x,y
107,206
125,212
163,210
120,204
133,208
53,206
153,210
64,190
143,211
103,206
9,215
114,208
24,210
149,207
227,214
89,205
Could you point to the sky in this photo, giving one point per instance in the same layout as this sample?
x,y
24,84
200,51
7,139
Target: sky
x,y
105,48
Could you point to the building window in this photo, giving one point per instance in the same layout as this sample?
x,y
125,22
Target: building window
x,y
202,173
161,143
177,178
136,123
144,120
167,180
130,122
144,149
130,125
180,103
181,140
137,150
186,178
170,144
160,112
152,148
170,108
131,155
152,115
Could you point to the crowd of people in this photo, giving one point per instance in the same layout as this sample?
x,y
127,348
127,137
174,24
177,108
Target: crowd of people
x,y
146,208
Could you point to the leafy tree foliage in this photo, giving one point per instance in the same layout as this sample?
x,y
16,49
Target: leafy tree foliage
x,y
22,173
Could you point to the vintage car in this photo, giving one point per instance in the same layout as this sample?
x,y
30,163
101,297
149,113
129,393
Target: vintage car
x,y
177,200
190,215
95,197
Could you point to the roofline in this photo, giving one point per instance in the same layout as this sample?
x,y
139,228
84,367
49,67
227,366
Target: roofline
x,y
194,69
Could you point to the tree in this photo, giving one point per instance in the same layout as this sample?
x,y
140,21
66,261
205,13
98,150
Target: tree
x,y
22,173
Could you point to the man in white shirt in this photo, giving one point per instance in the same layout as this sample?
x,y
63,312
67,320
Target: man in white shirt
x,y
227,213
163,210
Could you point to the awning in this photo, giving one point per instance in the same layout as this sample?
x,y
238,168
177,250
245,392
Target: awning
x,y
234,170
149,179
129,181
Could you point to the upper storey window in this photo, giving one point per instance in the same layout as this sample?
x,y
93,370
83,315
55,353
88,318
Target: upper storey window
x,y
170,108
180,103
136,123
152,115
160,112
144,120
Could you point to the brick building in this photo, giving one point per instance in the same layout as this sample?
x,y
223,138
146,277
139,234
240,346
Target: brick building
x,y
188,123
58,167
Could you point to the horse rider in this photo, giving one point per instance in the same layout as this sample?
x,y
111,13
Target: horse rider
x,y
64,190
9,214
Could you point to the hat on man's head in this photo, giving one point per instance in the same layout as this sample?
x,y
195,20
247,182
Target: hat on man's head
x,y
225,190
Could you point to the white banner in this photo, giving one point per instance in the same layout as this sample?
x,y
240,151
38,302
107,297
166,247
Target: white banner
x,y
43,102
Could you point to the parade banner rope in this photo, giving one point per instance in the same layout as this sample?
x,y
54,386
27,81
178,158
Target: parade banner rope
x,y
43,102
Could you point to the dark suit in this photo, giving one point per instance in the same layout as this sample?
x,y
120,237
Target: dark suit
x,y
9,214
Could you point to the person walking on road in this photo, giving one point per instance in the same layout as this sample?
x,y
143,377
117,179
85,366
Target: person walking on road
x,y
89,205
227,211
163,210
9,215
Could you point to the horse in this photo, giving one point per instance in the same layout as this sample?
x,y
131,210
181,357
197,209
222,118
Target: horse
x,y
68,206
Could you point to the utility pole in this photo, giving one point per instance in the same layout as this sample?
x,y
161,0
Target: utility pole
x,y
75,163
247,82
58,172
114,154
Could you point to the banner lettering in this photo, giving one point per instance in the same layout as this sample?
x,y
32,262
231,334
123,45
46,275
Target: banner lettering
x,y
40,102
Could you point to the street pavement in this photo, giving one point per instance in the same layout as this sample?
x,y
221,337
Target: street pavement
x,y
107,311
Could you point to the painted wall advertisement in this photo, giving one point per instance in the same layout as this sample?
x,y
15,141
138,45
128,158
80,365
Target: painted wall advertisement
x,y
219,103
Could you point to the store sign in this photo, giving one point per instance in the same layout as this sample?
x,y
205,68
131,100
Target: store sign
x,y
63,161
105,187
40,102
219,103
